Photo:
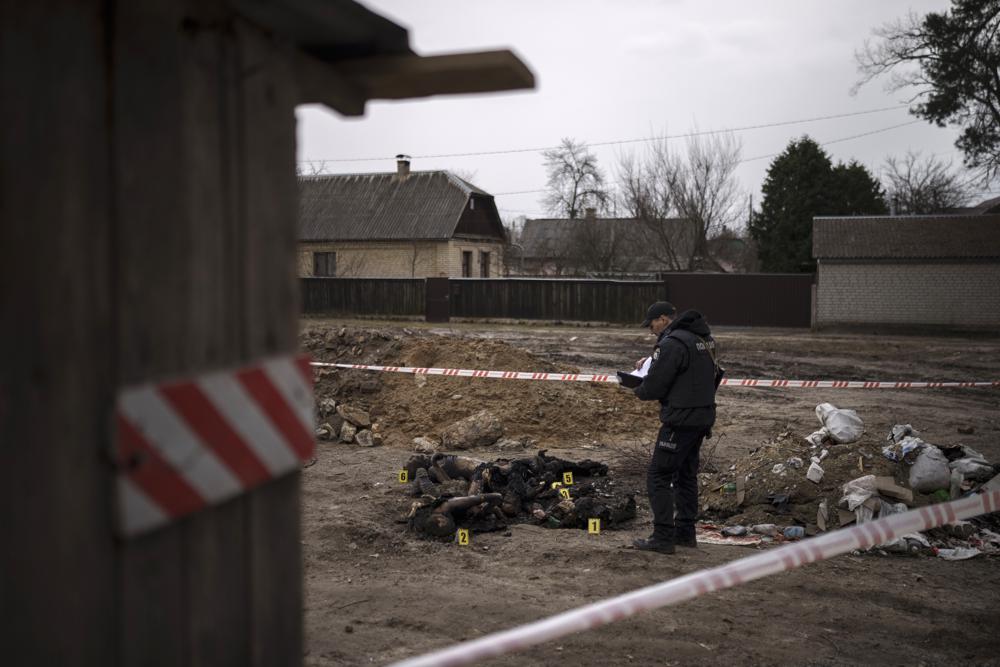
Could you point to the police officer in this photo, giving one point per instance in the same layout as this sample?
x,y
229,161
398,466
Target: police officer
x,y
682,377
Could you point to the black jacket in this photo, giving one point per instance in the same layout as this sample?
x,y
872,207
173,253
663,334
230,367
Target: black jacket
x,y
682,375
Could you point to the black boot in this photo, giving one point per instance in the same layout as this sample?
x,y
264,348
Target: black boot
x,y
653,544
686,538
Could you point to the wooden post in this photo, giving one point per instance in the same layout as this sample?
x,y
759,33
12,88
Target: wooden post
x,y
148,201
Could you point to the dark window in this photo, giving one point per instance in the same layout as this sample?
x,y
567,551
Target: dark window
x,y
325,264
484,265
466,263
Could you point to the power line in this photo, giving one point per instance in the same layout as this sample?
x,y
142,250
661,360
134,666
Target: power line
x,y
837,141
762,157
623,141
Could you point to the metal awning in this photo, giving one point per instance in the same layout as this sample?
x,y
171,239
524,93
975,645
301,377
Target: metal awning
x,y
347,54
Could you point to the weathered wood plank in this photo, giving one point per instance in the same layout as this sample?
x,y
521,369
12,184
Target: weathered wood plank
x,y
407,76
268,206
57,559
184,590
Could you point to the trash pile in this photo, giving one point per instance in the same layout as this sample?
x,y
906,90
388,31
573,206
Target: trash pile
x,y
462,492
787,490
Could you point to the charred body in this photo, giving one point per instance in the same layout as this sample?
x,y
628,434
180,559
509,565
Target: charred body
x,y
462,492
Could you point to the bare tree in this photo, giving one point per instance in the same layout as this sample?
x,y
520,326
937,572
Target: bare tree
x,y
949,59
597,246
513,251
916,185
683,200
574,180
310,168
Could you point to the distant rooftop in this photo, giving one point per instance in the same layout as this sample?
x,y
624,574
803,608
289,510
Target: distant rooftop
x,y
422,205
907,236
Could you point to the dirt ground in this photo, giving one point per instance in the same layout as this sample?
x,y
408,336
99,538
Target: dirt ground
x,y
376,593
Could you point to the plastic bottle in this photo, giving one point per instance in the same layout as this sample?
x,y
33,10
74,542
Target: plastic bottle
x,y
794,532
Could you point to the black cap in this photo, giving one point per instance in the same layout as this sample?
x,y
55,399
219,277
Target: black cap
x,y
656,310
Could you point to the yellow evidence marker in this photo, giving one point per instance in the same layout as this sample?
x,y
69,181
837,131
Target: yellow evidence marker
x,y
463,537
594,526
568,478
556,485
404,476
564,492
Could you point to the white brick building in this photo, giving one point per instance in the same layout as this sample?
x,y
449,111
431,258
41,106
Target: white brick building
x,y
922,270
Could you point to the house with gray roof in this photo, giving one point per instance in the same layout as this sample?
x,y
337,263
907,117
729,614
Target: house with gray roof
x,y
939,270
604,247
402,224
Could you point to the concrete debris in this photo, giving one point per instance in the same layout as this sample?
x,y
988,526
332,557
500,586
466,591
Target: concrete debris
x,y
355,415
424,445
511,444
887,486
822,515
817,438
347,432
326,406
365,438
481,429
324,432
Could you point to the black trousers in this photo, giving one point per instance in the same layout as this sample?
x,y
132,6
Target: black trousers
x,y
672,482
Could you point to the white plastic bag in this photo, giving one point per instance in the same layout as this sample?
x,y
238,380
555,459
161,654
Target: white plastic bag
x,y
977,469
930,471
843,425
858,491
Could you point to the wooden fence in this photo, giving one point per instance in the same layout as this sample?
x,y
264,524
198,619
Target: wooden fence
x,y
364,296
782,300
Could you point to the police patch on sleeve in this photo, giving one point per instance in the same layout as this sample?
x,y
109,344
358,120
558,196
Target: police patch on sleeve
x,y
656,354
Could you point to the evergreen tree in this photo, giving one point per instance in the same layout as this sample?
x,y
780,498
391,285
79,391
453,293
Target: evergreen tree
x,y
796,189
802,183
856,191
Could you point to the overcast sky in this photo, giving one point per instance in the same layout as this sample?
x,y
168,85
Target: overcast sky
x,y
626,69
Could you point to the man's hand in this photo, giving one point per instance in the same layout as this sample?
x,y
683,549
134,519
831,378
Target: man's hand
x,y
639,363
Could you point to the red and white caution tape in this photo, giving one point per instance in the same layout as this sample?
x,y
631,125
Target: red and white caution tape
x,y
706,581
612,378
181,446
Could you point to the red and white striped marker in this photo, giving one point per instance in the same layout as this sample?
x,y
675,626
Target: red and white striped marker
x,y
183,445
613,379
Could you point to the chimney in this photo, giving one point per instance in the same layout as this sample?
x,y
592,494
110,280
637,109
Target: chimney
x,y
402,166
590,214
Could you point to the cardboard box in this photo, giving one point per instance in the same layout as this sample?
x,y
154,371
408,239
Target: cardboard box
x,y
887,486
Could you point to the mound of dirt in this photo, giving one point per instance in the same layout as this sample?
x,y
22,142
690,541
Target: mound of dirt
x,y
549,413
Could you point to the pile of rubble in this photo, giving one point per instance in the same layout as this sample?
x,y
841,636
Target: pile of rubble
x,y
346,423
461,492
787,489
